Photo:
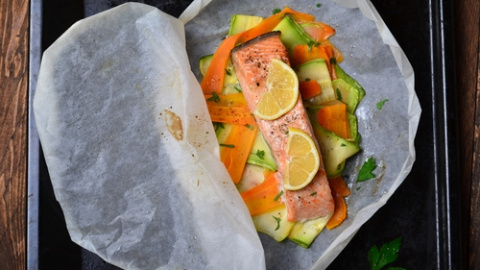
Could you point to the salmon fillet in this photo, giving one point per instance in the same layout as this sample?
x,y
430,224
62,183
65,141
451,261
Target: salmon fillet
x,y
251,61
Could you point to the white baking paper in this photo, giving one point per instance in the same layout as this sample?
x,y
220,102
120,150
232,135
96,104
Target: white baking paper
x,y
115,88
374,58
131,151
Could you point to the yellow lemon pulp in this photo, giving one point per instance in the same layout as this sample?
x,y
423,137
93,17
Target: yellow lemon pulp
x,y
282,92
303,160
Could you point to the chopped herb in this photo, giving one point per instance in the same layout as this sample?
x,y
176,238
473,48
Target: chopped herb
x,y
388,253
249,126
277,219
229,73
333,60
343,145
227,145
238,89
218,125
307,79
319,5
286,132
366,170
260,154
381,103
339,94
215,98
358,188
313,193
278,195
276,10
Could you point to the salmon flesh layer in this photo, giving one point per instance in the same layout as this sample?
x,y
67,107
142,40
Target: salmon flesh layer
x,y
251,61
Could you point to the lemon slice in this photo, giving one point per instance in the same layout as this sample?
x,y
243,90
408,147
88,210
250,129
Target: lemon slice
x,y
303,160
282,94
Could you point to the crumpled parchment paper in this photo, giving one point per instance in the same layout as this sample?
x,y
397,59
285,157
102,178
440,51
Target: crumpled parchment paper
x,y
133,157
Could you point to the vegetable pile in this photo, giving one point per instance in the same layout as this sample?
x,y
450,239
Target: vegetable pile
x,y
330,96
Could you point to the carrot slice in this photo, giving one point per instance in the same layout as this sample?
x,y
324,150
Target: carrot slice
x,y
304,53
230,109
264,197
213,79
340,213
338,184
319,31
235,150
333,117
309,89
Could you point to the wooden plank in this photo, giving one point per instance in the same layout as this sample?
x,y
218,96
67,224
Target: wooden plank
x,y
14,33
467,30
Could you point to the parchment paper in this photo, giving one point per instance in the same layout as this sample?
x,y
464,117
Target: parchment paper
x,y
131,151
112,94
375,60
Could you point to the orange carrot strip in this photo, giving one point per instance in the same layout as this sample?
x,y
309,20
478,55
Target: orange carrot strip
x,y
309,89
304,53
336,52
340,213
333,117
230,109
235,150
338,184
213,79
318,31
264,197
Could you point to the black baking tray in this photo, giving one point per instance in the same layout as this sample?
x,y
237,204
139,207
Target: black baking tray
x,y
424,211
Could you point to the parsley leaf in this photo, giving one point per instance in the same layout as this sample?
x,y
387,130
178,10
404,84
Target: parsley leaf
x,y
366,170
313,193
276,10
381,103
228,72
339,94
218,126
238,89
388,253
215,98
277,219
260,154
278,195
227,145
249,126
319,5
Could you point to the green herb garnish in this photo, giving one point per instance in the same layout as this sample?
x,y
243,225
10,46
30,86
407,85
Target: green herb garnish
x,y
238,89
218,125
333,60
319,5
339,94
343,145
249,126
260,154
307,79
278,195
227,145
276,10
313,193
366,170
381,103
388,253
277,219
229,73
215,98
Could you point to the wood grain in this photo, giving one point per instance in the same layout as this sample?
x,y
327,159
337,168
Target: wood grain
x,y
467,28
14,33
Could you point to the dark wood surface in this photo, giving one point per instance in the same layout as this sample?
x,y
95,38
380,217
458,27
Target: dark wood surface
x,y
467,41
14,29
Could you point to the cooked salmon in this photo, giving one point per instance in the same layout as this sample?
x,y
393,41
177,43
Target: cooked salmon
x,y
251,61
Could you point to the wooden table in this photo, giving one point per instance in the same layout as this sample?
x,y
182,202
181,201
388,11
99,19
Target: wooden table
x,y
14,78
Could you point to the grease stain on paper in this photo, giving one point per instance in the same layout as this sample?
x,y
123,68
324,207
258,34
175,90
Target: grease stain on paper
x,y
174,124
